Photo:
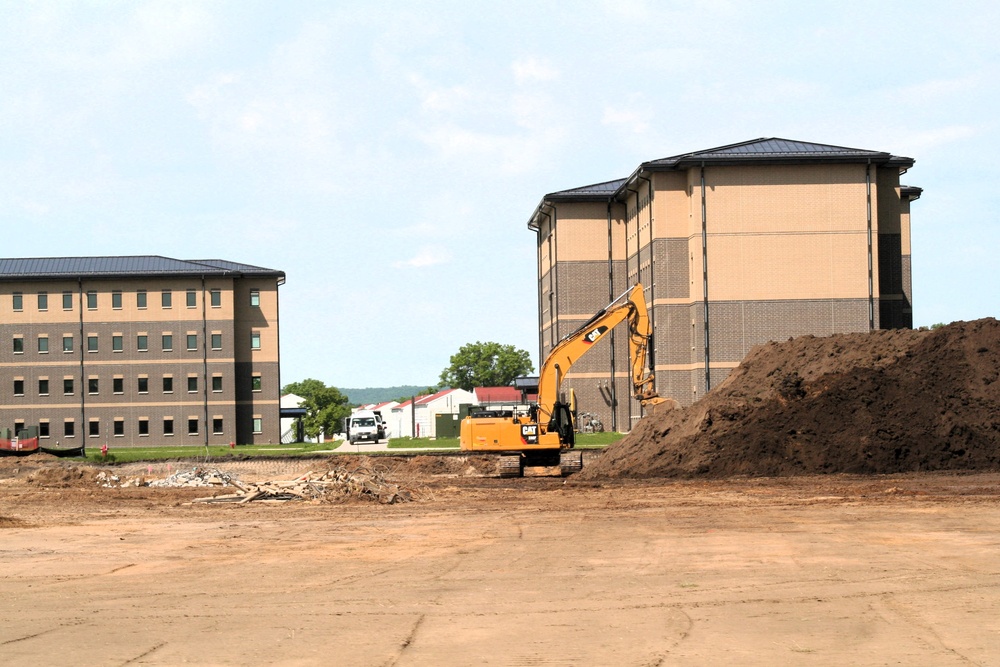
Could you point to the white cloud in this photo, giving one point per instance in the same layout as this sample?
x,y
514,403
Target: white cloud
x,y
532,69
426,256
635,116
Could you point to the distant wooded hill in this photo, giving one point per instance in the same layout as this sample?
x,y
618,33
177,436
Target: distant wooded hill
x,y
380,394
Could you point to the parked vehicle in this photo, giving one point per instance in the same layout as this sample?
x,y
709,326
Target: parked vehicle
x,y
364,426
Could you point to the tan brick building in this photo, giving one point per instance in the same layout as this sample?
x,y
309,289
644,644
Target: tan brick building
x,y
735,246
140,350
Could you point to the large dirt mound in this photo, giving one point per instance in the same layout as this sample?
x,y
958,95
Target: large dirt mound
x,y
881,402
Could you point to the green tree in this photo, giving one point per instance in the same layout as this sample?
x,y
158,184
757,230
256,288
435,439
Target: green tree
x,y
325,406
485,365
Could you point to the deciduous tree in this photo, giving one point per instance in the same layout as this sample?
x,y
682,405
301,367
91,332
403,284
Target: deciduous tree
x,y
485,365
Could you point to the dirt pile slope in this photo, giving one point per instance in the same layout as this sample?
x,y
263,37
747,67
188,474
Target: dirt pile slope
x,y
881,402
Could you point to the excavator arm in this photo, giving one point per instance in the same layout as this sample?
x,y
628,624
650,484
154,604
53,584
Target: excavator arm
x,y
630,306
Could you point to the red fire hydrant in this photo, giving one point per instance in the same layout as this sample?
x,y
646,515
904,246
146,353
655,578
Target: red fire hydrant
x,y
232,445
104,450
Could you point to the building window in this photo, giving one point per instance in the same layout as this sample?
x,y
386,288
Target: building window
x,y
19,387
119,427
166,298
91,343
18,427
18,345
143,426
116,300
67,301
116,343
255,298
216,341
142,342
92,385
143,385
67,343
216,383
192,426
168,384
69,428
140,299
192,341
43,429
94,428
216,296
217,425
255,340
258,426
43,386
168,342
18,301
192,298
67,386
118,385
43,301
92,300
255,383
168,426
192,384
43,344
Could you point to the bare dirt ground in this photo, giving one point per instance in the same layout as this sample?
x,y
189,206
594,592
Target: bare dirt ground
x,y
897,569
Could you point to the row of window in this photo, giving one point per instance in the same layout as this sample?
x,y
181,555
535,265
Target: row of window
x,y
118,342
141,299
118,385
142,427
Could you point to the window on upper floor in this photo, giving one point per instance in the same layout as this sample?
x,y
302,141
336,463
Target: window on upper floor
x,y
18,301
216,341
255,298
191,298
92,300
255,340
43,301
166,298
216,297
67,300
116,300
140,299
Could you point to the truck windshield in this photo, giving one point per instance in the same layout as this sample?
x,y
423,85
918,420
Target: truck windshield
x,y
364,421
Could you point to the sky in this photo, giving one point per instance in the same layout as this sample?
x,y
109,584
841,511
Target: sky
x,y
388,155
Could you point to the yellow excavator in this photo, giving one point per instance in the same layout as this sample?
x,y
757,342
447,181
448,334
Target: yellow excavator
x,y
543,435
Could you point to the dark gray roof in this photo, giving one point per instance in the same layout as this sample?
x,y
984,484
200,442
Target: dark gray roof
x,y
600,191
766,150
773,150
122,267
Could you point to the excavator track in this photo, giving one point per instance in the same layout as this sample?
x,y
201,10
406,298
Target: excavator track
x,y
511,465
570,462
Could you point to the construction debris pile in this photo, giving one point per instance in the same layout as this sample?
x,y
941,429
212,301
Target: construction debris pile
x,y
880,402
196,477
337,484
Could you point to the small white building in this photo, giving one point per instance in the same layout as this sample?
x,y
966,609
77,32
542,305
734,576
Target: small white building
x,y
417,419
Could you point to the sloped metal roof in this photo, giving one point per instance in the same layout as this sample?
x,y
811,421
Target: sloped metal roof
x,y
775,150
121,266
596,191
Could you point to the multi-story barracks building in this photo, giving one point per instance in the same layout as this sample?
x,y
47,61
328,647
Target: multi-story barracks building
x,y
141,350
735,246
